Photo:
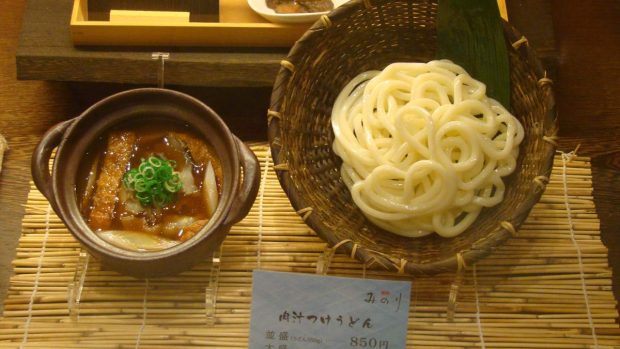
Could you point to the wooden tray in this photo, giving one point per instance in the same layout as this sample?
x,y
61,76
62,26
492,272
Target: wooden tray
x,y
238,26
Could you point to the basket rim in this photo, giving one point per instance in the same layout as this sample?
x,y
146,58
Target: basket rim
x,y
480,248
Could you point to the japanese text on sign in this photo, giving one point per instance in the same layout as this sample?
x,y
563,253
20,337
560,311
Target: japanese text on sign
x,y
297,311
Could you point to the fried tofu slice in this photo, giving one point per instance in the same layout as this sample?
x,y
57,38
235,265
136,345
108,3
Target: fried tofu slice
x,y
115,161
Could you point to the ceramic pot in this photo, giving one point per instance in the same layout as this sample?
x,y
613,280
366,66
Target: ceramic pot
x,y
74,137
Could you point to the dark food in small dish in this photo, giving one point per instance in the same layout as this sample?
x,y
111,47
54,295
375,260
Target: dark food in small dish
x,y
300,6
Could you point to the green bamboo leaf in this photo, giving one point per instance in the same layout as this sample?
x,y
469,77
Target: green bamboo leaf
x,y
470,33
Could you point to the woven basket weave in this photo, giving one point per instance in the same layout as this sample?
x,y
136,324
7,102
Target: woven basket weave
x,y
365,35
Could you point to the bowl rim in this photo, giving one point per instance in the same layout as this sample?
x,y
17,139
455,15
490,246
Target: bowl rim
x,y
479,249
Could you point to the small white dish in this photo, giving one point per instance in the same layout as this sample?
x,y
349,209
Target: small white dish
x,y
260,7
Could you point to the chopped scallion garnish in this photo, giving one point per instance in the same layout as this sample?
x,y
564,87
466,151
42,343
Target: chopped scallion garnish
x,y
153,182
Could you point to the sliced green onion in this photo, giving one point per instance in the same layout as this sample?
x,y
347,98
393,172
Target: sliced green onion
x,y
175,179
164,173
170,187
140,187
161,199
150,184
149,173
154,181
142,166
155,161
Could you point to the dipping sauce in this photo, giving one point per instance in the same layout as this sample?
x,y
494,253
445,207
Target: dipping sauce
x,y
147,187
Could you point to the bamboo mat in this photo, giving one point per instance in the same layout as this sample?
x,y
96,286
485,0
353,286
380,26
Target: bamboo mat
x,y
548,288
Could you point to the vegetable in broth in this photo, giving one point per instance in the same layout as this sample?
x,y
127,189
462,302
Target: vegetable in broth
x,y
149,187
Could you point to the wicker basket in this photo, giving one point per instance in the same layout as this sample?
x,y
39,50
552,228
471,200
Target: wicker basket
x,y
364,35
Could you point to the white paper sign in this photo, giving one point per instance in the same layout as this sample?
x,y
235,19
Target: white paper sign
x,y
304,311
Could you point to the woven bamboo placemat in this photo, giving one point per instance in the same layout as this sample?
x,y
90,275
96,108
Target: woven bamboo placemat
x,y
550,287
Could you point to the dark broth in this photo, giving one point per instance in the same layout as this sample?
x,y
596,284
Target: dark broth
x,y
144,139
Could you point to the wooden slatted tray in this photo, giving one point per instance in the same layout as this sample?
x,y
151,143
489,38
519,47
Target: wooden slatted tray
x,y
549,287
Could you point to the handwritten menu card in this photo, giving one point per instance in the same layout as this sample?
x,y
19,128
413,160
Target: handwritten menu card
x,y
303,311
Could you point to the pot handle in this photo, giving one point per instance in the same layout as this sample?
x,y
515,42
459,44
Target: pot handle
x,y
39,165
249,188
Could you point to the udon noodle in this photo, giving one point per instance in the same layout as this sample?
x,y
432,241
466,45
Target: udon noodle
x,y
423,148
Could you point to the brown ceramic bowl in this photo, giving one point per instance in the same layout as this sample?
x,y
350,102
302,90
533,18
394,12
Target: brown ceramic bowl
x,y
74,137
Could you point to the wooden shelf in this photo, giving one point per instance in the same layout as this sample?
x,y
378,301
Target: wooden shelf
x,y
46,52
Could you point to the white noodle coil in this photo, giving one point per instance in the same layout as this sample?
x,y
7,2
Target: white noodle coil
x,y
423,147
